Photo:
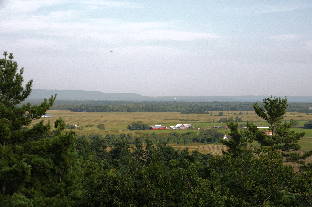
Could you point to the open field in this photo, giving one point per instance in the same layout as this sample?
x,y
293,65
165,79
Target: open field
x,y
120,120
117,122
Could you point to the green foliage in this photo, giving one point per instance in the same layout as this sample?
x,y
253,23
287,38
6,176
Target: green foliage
x,y
154,176
60,124
157,175
273,111
138,126
208,136
283,138
255,180
191,137
101,126
35,162
237,142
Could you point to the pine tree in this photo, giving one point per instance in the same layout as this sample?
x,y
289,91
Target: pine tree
x,y
35,161
272,111
283,138
237,143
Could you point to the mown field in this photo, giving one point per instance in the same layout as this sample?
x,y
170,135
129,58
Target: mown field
x,y
117,122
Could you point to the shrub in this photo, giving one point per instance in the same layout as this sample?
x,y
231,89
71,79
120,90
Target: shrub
x,y
138,126
101,126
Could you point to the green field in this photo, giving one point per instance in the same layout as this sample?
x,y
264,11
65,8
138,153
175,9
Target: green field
x,y
117,122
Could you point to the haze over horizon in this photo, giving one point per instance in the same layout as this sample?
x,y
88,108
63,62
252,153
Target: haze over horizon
x,y
162,48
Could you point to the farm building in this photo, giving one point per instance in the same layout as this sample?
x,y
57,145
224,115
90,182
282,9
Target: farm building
x,y
158,127
259,127
266,127
181,126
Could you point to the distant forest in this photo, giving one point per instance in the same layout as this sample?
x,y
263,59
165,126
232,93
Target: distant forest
x,y
183,107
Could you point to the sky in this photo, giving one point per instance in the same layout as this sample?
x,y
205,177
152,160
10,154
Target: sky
x,y
163,48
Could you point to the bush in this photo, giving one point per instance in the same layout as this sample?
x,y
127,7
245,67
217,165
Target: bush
x,y
209,136
101,126
138,126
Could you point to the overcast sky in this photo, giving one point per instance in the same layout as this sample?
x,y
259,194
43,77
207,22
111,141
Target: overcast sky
x,y
163,47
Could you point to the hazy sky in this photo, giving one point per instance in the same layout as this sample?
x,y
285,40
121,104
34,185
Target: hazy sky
x,y
163,47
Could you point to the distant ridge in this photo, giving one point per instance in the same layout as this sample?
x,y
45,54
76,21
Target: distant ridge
x,y
81,95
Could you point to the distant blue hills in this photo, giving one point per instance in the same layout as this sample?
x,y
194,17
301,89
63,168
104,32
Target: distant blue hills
x,y
81,95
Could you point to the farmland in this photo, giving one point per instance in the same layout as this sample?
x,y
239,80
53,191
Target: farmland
x,y
116,123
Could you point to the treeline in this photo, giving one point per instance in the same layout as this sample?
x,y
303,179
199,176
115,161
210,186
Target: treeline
x,y
183,107
203,136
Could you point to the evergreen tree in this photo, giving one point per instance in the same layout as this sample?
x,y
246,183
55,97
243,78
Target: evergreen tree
x,y
237,142
36,165
283,138
272,111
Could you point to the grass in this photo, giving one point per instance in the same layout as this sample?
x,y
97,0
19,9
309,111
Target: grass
x,y
117,122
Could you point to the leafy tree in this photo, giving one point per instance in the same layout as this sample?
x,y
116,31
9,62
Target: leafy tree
x,y
36,167
101,126
250,180
208,136
138,126
158,175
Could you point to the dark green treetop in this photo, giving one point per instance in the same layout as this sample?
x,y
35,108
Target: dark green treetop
x,y
272,110
237,142
11,88
283,137
13,92
35,161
